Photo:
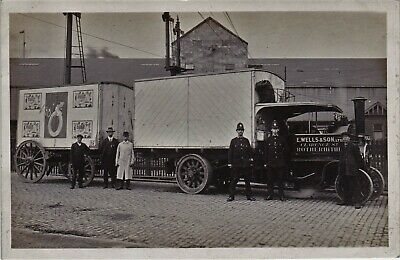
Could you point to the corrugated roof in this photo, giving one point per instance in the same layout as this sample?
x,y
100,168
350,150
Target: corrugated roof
x,y
41,72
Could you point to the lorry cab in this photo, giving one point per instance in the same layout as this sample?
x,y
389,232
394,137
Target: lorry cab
x,y
313,132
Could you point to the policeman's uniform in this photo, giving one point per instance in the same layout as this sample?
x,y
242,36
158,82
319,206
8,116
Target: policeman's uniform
x,y
239,157
275,161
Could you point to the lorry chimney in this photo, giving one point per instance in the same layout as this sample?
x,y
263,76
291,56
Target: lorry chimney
x,y
167,19
359,113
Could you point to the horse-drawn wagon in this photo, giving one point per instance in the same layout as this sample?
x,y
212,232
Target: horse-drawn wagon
x,y
49,119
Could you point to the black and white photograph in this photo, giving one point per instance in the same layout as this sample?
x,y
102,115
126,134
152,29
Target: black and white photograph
x,y
214,130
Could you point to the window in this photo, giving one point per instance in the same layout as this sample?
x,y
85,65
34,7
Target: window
x,y
377,127
378,133
225,42
197,43
229,66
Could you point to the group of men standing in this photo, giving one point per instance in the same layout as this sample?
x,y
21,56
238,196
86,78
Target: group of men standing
x,y
276,158
240,158
117,159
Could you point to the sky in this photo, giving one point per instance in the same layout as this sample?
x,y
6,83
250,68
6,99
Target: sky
x,y
269,34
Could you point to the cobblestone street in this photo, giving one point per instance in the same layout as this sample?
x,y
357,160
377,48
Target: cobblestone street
x,y
159,215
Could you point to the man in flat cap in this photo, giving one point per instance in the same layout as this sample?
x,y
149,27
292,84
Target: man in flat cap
x,y
108,152
239,160
349,162
77,158
124,160
275,161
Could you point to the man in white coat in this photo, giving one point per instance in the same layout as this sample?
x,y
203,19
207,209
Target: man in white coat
x,y
124,161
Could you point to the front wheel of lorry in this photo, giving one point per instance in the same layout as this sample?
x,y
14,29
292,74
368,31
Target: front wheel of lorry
x,y
193,173
378,182
365,182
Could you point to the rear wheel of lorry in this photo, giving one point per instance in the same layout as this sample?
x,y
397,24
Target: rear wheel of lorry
x,y
378,182
193,173
365,182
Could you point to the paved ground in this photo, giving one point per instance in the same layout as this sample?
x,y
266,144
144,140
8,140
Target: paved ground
x,y
27,238
159,215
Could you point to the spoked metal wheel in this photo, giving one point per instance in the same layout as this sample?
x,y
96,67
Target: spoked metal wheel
x,y
30,161
88,173
193,173
378,182
365,182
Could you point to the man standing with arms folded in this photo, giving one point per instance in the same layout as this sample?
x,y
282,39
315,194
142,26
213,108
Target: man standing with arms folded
x,y
124,161
77,158
275,161
108,152
239,159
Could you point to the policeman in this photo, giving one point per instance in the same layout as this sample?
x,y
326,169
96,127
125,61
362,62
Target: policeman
x,y
239,159
275,161
349,162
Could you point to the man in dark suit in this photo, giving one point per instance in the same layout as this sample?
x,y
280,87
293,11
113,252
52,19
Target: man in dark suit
x,y
239,160
77,158
108,151
275,161
349,162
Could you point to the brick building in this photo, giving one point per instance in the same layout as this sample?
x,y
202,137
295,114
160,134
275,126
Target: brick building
x,y
210,47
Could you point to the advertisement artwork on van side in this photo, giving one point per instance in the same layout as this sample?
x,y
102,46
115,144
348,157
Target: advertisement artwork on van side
x,y
30,129
83,127
83,98
56,115
32,101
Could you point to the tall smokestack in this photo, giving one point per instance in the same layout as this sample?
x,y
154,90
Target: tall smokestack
x,y
178,43
68,50
359,113
167,19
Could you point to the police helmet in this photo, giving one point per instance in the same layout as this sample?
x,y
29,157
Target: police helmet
x,y
275,125
240,126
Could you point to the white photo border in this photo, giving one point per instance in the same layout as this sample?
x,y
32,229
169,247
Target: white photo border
x,y
389,7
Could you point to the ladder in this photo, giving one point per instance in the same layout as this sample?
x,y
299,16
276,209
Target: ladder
x,y
80,53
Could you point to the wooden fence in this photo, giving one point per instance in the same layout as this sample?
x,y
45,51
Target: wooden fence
x,y
379,158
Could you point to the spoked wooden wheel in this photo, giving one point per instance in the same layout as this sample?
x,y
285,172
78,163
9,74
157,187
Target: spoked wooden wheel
x,y
88,173
193,173
378,182
365,182
30,161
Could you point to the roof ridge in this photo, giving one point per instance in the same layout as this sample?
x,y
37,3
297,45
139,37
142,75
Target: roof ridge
x,y
215,21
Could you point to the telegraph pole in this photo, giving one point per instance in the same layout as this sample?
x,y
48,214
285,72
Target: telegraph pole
x,y
23,44
68,50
